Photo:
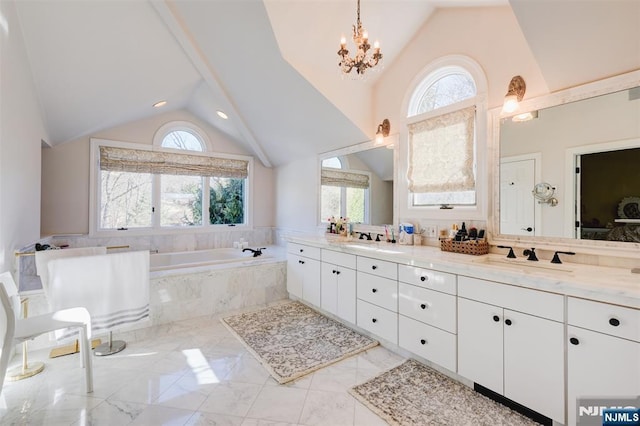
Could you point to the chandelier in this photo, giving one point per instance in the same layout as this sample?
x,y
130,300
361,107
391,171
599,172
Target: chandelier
x,y
361,61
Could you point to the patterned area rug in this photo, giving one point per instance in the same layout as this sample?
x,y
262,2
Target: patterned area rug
x,y
413,394
291,340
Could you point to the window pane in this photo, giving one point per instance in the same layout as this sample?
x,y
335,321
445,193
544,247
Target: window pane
x,y
181,139
333,162
227,201
461,198
330,199
445,91
355,204
125,200
180,200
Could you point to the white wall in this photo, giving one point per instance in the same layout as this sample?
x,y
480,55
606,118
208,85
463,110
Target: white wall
x,y
490,36
65,174
21,132
297,195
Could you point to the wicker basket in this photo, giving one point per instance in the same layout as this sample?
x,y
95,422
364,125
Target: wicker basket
x,y
475,247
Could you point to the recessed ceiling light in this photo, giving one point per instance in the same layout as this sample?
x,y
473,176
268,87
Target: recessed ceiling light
x,y
159,104
222,115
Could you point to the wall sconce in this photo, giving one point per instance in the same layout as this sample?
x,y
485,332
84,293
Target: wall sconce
x,y
383,131
514,96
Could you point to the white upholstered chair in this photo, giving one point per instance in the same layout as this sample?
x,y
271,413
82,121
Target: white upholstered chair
x,y
32,327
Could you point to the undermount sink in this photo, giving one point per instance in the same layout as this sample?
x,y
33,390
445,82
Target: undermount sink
x,y
520,264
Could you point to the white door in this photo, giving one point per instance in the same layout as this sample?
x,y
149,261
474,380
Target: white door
x,y
294,275
311,281
346,303
480,343
599,365
517,205
534,363
329,288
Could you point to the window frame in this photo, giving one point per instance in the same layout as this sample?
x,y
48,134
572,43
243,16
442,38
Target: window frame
x,y
156,228
429,75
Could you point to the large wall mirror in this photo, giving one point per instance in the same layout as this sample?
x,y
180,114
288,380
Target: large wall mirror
x,y
358,182
570,170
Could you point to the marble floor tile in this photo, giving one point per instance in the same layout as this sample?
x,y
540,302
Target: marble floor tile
x,y
278,403
321,408
189,374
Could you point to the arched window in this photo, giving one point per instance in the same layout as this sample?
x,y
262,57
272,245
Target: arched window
x,y
442,126
183,139
178,183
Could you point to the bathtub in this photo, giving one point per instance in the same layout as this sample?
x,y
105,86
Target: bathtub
x,y
199,258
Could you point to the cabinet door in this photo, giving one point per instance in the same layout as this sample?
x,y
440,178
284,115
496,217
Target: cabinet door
x,y
600,365
311,281
346,303
294,275
329,288
480,343
534,363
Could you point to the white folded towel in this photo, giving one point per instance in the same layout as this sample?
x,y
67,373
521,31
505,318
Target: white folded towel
x,y
113,287
43,257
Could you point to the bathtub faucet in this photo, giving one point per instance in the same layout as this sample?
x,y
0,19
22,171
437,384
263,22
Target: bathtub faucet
x,y
257,252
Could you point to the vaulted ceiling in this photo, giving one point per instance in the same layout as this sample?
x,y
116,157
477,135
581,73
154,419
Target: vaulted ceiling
x,y
271,64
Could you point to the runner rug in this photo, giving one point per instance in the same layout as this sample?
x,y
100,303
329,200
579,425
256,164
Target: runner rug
x,y
292,340
414,394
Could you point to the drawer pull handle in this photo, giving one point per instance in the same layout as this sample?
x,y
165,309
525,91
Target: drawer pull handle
x,y
614,322
574,341
333,272
423,278
301,250
337,272
508,322
496,318
422,341
374,267
301,262
374,290
374,320
423,306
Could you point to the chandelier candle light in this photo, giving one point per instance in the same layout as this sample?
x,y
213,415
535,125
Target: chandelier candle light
x,y
361,61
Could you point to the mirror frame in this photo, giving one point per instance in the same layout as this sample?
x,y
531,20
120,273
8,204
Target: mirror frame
x,y
364,146
594,247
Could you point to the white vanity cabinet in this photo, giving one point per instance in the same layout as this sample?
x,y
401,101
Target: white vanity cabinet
x,y
427,314
603,352
338,284
511,340
303,272
377,294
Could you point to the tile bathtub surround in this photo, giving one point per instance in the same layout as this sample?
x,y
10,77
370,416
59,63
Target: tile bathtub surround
x,y
186,295
189,373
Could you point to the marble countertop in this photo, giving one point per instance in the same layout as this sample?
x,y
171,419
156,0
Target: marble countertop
x,y
606,284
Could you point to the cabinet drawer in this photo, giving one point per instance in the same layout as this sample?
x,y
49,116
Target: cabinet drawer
x,y
378,321
381,268
534,302
377,290
605,318
338,258
430,307
434,280
428,342
302,250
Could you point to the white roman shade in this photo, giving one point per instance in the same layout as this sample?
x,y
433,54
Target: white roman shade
x,y
441,153
337,177
169,163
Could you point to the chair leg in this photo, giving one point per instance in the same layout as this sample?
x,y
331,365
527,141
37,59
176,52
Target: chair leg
x,y
85,348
